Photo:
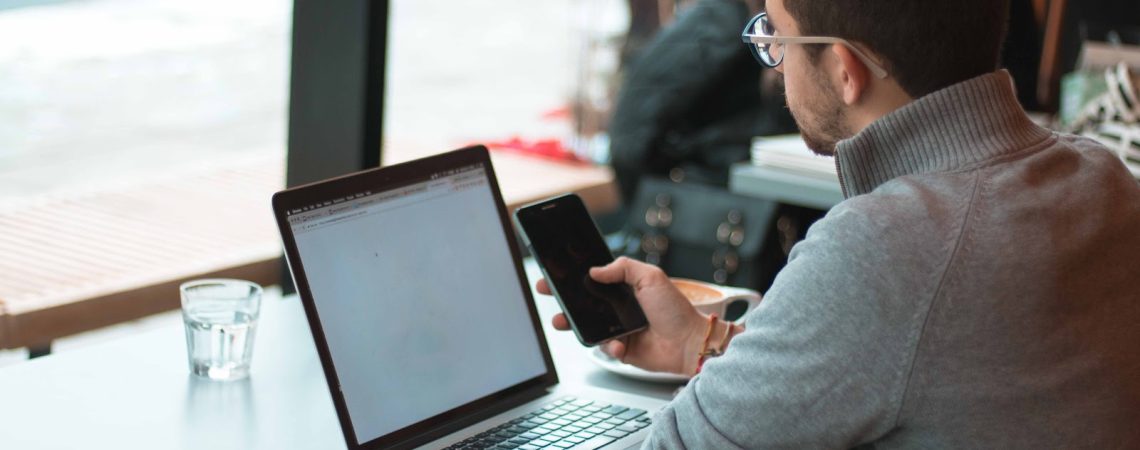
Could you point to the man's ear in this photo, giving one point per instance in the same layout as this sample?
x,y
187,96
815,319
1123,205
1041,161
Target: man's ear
x,y
853,76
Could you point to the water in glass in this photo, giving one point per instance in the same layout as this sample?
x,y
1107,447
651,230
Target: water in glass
x,y
220,344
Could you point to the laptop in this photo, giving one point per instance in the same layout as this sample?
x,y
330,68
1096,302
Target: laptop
x,y
423,316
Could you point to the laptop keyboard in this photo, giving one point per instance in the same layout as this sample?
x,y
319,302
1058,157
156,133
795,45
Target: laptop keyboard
x,y
568,423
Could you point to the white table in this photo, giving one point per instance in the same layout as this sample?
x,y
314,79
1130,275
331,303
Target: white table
x,y
137,393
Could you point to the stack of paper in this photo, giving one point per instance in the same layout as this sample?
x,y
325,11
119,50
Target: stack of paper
x,y
788,152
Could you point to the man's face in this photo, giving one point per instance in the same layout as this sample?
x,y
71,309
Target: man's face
x,y
812,98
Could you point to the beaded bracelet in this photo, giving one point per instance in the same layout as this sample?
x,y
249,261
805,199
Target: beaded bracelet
x,y
707,352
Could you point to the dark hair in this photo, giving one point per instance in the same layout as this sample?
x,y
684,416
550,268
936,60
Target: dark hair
x,y
927,44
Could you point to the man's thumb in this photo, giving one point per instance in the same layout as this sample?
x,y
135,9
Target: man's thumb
x,y
611,273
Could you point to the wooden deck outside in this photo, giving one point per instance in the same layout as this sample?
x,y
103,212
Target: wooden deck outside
x,y
73,263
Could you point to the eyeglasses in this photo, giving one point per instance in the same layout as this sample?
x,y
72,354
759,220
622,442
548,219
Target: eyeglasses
x,y
769,48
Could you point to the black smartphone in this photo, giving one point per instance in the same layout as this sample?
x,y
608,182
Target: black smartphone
x,y
566,243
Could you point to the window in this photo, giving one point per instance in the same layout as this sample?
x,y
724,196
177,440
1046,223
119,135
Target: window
x,y
135,134
467,71
92,92
134,137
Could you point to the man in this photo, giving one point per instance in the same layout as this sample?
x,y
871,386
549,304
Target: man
x,y
978,288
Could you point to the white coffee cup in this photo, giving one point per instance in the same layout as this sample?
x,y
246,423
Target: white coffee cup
x,y
729,303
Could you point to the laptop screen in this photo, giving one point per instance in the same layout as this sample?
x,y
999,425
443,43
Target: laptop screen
x,y
418,296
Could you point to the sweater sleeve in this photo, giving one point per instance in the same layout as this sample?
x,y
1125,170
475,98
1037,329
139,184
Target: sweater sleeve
x,y
824,360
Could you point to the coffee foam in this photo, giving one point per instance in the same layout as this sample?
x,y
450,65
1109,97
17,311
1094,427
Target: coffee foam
x,y
696,292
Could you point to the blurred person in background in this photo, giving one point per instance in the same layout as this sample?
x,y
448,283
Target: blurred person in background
x,y
692,98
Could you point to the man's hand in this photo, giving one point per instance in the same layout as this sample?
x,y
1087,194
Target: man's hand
x,y
672,341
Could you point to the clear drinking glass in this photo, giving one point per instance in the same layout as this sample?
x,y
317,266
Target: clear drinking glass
x,y
221,320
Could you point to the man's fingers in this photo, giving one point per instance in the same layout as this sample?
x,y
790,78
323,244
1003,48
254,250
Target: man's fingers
x,y
614,348
560,323
542,287
610,273
625,270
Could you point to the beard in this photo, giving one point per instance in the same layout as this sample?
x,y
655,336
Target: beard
x,y
820,115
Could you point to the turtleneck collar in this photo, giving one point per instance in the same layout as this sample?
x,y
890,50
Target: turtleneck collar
x,y
953,128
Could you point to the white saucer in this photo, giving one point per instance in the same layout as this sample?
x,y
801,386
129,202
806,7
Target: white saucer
x,y
604,361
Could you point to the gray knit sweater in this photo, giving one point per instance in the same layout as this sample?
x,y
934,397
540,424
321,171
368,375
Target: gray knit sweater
x,y
978,288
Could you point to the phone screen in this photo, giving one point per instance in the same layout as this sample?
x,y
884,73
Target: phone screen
x,y
566,243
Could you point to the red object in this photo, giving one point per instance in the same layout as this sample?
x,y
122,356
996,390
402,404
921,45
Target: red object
x,y
543,148
562,113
